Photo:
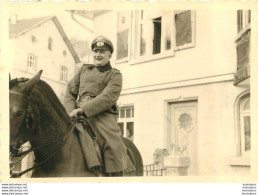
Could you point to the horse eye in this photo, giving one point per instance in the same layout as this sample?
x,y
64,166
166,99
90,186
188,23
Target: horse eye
x,y
18,113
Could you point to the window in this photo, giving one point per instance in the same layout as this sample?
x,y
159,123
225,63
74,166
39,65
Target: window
x,y
243,45
64,53
243,122
31,63
64,74
50,44
242,131
150,25
243,19
245,128
33,39
126,121
123,34
158,34
183,28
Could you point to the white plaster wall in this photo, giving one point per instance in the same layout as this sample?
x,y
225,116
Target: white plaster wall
x,y
48,61
213,54
106,25
216,131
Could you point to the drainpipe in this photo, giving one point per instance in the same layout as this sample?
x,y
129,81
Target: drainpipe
x,y
82,25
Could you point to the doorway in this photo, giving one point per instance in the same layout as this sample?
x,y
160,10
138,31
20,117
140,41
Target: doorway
x,y
182,132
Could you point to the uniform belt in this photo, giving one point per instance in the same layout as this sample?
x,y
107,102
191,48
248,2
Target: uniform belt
x,y
87,98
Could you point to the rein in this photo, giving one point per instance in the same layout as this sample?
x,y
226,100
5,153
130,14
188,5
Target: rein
x,y
14,175
16,148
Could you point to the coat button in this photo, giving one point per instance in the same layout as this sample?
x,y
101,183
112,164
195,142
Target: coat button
x,y
97,90
82,88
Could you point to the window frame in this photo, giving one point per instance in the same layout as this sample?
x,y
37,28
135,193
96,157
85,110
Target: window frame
x,y
63,73
121,29
136,38
239,158
242,114
244,96
126,120
246,25
33,62
193,22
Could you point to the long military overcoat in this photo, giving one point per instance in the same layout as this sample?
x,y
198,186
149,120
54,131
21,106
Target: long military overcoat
x,y
104,87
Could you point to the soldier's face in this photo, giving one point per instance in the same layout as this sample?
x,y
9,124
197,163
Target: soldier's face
x,y
101,57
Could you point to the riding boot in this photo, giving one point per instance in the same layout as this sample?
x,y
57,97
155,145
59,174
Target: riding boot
x,y
97,170
115,174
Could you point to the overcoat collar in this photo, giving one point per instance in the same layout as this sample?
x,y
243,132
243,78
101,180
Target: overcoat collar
x,y
101,68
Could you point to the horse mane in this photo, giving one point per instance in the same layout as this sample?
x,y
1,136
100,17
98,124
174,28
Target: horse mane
x,y
43,90
49,94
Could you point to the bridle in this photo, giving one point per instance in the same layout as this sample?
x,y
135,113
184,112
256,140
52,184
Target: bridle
x,y
16,149
25,122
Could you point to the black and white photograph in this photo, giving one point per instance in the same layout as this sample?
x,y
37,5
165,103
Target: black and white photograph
x,y
144,93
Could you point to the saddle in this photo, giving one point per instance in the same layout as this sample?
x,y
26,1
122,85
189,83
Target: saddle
x,y
91,149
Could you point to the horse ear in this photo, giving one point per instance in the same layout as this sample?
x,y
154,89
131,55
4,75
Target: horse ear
x,y
9,76
29,85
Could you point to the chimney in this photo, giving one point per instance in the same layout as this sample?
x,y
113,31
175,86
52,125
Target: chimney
x,y
13,18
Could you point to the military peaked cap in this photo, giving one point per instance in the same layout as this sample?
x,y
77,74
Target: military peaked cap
x,y
103,43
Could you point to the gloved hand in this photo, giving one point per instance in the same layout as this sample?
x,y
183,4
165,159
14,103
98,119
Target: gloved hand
x,y
75,113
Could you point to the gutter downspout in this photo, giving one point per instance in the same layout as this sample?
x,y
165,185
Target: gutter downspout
x,y
82,25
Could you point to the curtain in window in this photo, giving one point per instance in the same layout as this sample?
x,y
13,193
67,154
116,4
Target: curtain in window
x,y
183,28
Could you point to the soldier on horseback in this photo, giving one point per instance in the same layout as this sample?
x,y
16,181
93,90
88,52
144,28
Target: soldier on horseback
x,y
92,93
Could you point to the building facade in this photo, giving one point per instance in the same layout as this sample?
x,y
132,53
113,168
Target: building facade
x,y
42,44
186,84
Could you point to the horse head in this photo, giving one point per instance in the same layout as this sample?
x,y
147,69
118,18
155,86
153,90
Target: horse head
x,y
20,110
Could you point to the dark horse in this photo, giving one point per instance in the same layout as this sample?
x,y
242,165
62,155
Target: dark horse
x,y
38,117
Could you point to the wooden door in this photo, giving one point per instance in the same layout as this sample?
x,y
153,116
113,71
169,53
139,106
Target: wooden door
x,y
182,135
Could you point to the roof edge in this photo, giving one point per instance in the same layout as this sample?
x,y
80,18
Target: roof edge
x,y
66,40
41,22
